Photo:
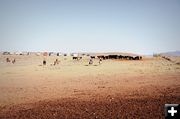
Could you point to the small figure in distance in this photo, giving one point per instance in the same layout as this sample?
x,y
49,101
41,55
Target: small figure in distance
x,y
8,60
56,62
91,61
14,61
44,62
100,61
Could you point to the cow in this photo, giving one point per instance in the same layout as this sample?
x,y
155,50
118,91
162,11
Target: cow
x,y
13,61
113,56
106,57
166,58
138,58
44,62
120,57
130,58
8,60
100,61
77,58
92,57
101,56
91,61
125,57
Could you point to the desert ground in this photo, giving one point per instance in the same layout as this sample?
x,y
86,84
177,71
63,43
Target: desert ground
x,y
74,90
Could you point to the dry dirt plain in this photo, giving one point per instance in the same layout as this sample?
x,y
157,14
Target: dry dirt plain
x,y
72,89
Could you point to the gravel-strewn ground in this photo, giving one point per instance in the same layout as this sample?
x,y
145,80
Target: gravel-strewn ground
x,y
100,107
73,90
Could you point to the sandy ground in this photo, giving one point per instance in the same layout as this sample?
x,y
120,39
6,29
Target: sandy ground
x,y
72,89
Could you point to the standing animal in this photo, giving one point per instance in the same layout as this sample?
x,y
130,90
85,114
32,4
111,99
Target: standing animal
x,y
56,62
91,61
101,56
92,57
77,58
8,60
100,60
44,62
113,56
14,61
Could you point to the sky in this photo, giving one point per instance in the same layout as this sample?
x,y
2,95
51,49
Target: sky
x,y
136,26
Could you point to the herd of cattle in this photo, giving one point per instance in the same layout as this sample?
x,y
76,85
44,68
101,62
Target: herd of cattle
x,y
121,57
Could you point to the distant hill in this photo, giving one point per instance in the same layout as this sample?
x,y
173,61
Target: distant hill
x,y
173,53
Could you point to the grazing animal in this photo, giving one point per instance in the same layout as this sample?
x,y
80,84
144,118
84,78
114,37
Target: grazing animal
x,y
136,58
77,58
101,56
14,61
8,60
113,56
91,61
56,62
106,57
44,62
166,58
140,57
92,57
120,57
126,57
100,60
130,58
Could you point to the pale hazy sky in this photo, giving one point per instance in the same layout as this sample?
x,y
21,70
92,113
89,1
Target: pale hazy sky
x,y
139,26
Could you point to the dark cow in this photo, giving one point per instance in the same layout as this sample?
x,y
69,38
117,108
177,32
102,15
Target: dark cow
x,y
101,57
140,57
120,57
166,58
137,58
91,61
126,57
113,56
92,57
44,62
106,57
8,60
77,58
